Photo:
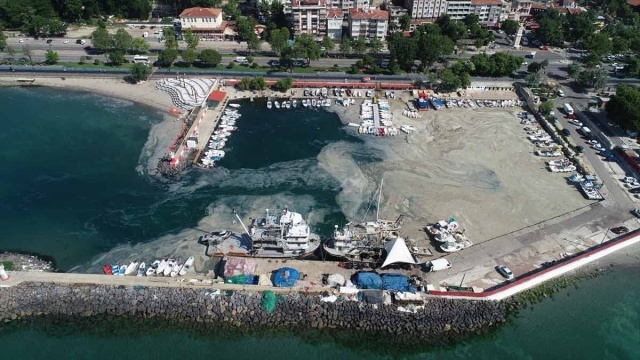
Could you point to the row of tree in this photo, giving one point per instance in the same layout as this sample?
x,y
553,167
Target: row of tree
x,y
624,107
258,83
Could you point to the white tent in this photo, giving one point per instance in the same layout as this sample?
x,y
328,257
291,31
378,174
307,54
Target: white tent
x,y
398,252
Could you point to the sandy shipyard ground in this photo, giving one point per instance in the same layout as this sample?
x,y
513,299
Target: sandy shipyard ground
x,y
472,164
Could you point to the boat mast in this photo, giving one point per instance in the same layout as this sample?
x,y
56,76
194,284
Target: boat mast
x,y
379,196
243,227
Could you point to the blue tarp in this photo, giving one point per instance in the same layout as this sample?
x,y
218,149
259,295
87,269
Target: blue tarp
x,y
395,282
285,277
367,280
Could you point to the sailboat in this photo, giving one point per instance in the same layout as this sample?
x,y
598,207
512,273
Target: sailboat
x,y
363,241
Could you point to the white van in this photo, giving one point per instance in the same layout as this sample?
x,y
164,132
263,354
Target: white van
x,y
567,109
241,60
439,264
586,131
139,59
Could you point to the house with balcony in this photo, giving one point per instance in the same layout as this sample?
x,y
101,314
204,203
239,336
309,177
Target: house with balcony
x,y
369,23
309,17
207,23
426,9
335,17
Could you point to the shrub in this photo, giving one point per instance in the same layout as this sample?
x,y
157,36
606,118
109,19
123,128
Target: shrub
x,y
231,65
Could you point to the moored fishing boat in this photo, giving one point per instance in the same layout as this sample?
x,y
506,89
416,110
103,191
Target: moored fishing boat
x,y
161,267
107,269
131,269
187,266
115,269
269,104
153,267
169,268
176,269
122,270
141,269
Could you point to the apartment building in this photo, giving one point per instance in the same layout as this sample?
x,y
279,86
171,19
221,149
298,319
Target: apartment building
x,y
395,13
369,22
426,9
490,12
335,17
309,17
345,5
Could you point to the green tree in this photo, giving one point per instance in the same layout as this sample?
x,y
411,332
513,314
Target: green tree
x,y
598,44
231,10
169,36
307,48
624,107
189,56
546,107
375,45
140,45
3,40
454,29
431,47
405,22
26,51
122,41
448,80
403,50
510,27
633,67
328,44
71,10
140,72
101,40
191,39
210,57
533,79
550,31
534,67
593,78
283,84
345,45
168,56
258,83
278,39
116,58
359,45
245,83
51,57
573,70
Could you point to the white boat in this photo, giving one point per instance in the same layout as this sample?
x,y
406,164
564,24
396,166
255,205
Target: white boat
x,y
567,168
294,103
187,266
575,178
153,267
276,104
176,269
161,267
169,268
353,124
269,104
131,269
304,103
548,153
560,162
287,104
142,268
234,105
314,102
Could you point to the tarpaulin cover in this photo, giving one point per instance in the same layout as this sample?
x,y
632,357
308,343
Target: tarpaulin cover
x,y
371,297
285,277
268,300
240,279
237,266
367,280
335,279
395,282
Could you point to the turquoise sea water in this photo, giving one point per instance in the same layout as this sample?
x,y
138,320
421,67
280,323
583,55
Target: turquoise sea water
x,y
69,189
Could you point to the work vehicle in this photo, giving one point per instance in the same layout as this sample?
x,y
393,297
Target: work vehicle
x,y
241,60
586,132
567,109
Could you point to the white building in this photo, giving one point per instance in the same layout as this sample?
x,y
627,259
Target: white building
x,y
309,17
369,23
335,16
345,5
489,11
426,9
205,22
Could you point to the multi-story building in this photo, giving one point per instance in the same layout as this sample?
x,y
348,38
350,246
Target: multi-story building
x,y
458,9
395,13
345,5
489,11
522,11
426,9
335,16
369,22
207,23
309,17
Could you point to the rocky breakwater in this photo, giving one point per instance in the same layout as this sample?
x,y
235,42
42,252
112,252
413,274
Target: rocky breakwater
x,y
247,309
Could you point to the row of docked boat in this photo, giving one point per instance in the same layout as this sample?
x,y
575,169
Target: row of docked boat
x,y
449,234
221,134
562,166
377,119
164,267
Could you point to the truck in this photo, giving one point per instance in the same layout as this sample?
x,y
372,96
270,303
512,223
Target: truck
x,y
567,109
439,264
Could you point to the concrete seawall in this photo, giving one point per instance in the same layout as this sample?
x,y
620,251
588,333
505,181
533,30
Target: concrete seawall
x,y
245,309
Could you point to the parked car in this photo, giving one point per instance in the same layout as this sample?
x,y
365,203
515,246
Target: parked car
x,y
566,132
505,271
274,63
21,41
636,212
579,149
49,41
544,47
560,93
576,122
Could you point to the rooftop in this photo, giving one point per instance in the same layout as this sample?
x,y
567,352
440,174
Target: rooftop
x,y
359,14
309,3
335,13
633,2
200,12
486,2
